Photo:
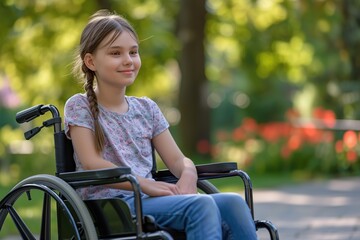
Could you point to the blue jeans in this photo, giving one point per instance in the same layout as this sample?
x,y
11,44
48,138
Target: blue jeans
x,y
202,216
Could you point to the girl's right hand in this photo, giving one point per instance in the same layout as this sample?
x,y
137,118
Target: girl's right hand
x,y
158,188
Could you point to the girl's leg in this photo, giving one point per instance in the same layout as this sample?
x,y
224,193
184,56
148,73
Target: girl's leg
x,y
197,214
236,215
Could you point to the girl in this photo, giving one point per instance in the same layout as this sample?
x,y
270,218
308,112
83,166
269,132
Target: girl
x,y
109,129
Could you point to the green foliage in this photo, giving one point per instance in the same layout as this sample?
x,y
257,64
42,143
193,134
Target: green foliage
x,y
38,49
274,52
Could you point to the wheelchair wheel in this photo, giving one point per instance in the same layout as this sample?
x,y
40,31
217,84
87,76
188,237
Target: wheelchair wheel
x,y
207,187
46,188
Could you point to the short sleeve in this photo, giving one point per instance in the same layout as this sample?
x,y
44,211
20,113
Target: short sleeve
x,y
160,122
77,113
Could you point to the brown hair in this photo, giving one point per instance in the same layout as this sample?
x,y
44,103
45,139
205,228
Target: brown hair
x,y
100,25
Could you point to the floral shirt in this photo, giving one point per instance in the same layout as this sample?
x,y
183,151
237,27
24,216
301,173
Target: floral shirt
x,y
127,137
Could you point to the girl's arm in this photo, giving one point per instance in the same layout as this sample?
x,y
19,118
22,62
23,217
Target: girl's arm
x,y
179,165
83,140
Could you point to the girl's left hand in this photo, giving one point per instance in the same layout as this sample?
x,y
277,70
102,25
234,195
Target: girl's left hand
x,y
187,185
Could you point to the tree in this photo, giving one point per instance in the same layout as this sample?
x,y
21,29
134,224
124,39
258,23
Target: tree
x,y
350,38
195,115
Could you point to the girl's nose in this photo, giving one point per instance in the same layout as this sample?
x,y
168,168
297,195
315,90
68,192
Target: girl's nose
x,y
128,60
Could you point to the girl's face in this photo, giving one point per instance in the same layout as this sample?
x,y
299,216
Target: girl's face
x,y
116,64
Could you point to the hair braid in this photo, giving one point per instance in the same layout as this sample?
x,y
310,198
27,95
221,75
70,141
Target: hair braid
x,y
89,88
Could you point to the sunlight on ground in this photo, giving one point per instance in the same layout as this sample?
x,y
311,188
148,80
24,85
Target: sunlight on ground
x,y
316,210
300,199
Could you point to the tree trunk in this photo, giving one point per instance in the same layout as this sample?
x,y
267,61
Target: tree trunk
x,y
195,121
350,34
351,42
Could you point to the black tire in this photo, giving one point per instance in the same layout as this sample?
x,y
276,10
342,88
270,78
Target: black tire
x,y
207,187
54,187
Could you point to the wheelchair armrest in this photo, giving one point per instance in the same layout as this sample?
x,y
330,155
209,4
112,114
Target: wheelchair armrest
x,y
210,169
94,177
223,167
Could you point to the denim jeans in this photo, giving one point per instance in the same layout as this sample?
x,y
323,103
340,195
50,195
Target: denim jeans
x,y
202,216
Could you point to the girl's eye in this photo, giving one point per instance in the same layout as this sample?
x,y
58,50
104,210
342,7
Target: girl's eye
x,y
115,53
134,52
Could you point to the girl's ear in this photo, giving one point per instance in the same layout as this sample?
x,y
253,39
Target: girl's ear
x,y
89,61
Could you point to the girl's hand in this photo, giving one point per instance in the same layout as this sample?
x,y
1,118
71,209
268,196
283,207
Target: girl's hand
x,y
179,165
158,188
186,188
187,183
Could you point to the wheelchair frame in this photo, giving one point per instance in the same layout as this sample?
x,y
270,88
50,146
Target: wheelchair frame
x,y
61,188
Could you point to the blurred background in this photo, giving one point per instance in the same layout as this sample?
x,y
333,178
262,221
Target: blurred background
x,y
271,84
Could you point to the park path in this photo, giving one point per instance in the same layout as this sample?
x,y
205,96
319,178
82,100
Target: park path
x,y
319,210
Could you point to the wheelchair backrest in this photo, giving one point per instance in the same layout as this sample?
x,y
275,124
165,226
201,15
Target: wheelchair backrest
x,y
64,153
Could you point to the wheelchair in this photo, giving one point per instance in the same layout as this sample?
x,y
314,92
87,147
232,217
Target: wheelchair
x,y
101,218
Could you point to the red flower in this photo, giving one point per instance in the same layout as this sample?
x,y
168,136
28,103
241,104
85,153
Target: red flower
x,y
318,112
203,146
326,116
238,134
270,132
339,147
294,142
329,118
351,156
312,134
350,139
249,125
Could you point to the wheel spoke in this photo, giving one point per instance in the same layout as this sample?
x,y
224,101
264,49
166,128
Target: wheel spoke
x,y
3,214
46,218
20,224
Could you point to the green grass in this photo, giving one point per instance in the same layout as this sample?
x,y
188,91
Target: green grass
x,y
235,184
265,181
